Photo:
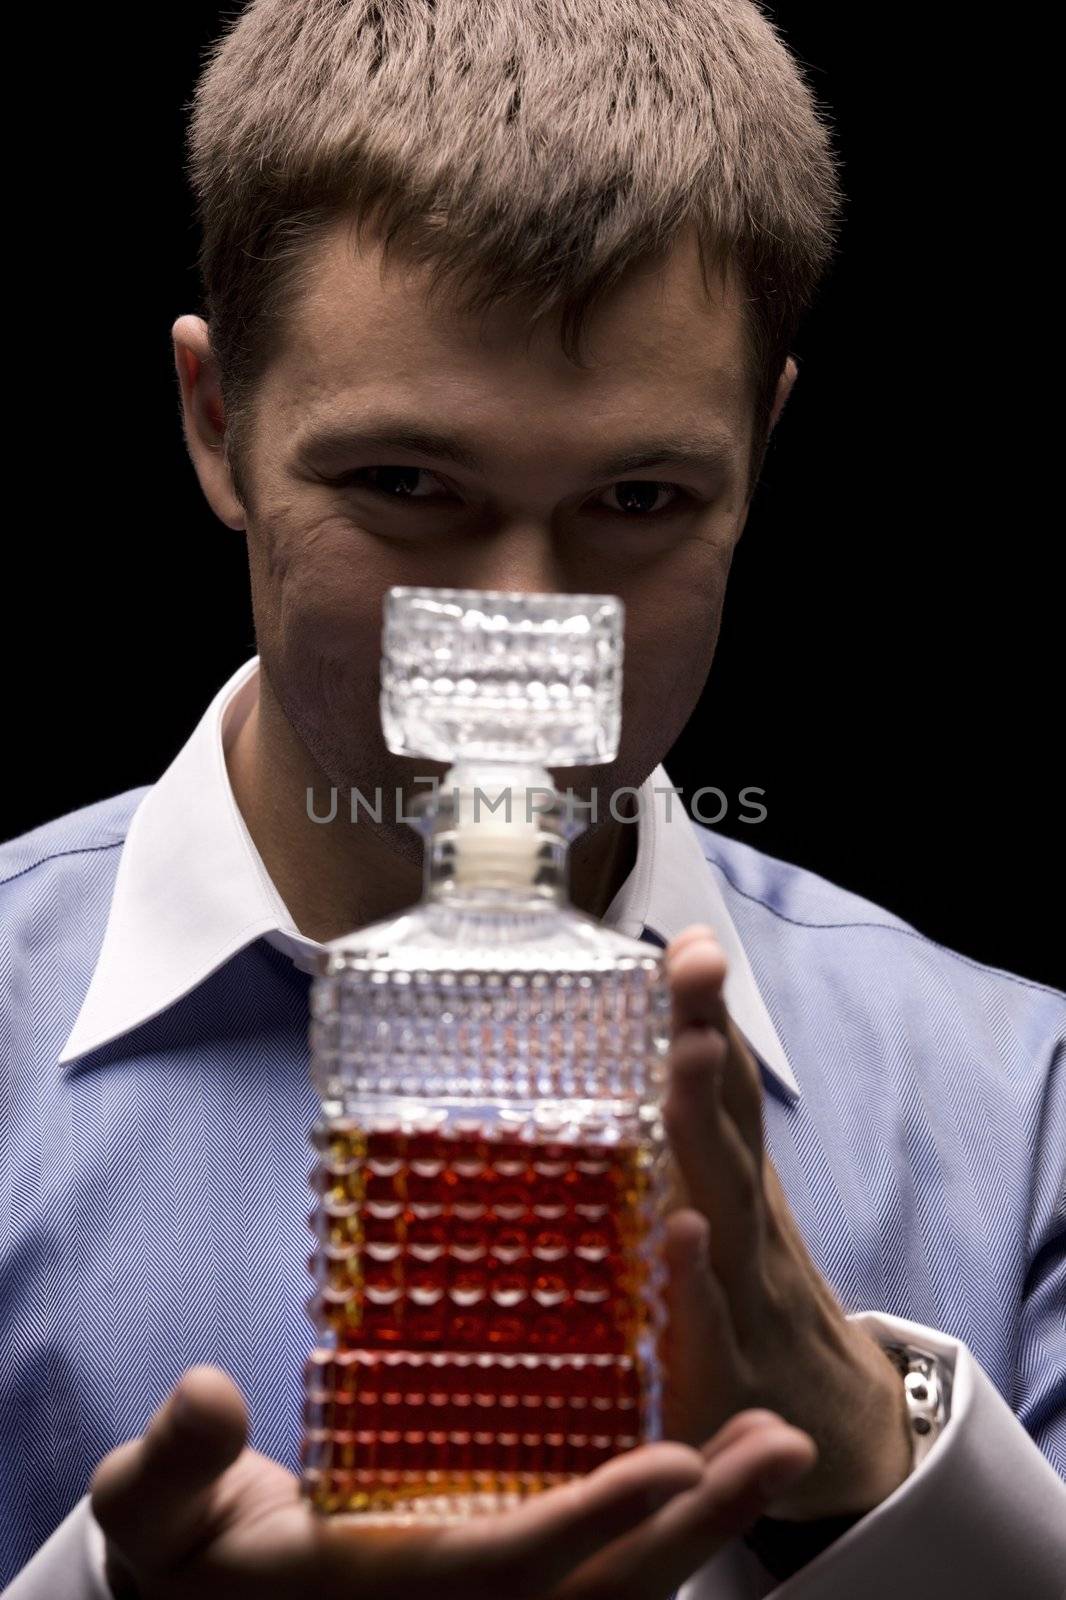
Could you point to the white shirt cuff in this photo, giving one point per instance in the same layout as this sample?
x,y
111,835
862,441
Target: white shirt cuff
x,y
69,1563
983,1508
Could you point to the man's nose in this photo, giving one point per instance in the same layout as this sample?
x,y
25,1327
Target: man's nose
x,y
522,555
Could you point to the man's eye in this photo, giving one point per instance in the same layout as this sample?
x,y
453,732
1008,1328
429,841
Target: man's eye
x,y
637,497
399,483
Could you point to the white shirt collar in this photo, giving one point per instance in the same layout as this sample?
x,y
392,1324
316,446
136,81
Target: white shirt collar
x,y
672,884
192,890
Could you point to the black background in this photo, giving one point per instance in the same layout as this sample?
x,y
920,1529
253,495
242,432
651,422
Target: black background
x,y
890,670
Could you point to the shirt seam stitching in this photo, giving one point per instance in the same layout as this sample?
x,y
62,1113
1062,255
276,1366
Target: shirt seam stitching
x,y
58,855
887,927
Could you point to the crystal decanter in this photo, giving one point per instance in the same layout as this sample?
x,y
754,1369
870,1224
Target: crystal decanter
x,y
491,1170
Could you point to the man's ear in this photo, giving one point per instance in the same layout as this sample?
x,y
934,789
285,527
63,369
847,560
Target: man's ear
x,y
204,419
789,374
784,389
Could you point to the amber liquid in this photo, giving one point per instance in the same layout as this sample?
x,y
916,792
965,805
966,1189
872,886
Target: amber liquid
x,y
486,1295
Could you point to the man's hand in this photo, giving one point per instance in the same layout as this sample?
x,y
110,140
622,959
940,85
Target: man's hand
x,y
752,1321
190,1513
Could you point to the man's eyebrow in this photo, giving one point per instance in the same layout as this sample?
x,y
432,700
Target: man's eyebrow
x,y
333,441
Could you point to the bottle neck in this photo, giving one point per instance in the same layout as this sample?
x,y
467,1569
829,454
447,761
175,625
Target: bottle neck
x,y
496,833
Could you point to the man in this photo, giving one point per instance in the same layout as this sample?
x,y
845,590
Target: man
x,y
870,1129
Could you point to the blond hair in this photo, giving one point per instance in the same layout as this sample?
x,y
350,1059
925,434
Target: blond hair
x,y
522,149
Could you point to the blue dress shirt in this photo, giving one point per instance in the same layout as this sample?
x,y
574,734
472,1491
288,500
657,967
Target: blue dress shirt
x,y
154,1173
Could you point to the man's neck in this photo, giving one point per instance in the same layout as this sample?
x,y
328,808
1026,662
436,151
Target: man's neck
x,y
334,877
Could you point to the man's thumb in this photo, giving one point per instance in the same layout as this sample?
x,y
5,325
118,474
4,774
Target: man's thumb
x,y
151,1495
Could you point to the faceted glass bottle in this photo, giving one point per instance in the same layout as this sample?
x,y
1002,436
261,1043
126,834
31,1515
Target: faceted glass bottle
x,y
491,1168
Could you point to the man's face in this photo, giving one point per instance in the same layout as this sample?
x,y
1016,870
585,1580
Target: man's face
x,y
540,501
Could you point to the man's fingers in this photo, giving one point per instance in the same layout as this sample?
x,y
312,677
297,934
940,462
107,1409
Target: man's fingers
x,y
742,1091
722,1176
529,1551
696,967
737,1485
740,1423
699,1340
148,1495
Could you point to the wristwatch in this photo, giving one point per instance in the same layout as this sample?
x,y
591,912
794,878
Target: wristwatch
x,y
784,1546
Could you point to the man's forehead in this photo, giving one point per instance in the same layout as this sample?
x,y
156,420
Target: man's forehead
x,y
659,318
